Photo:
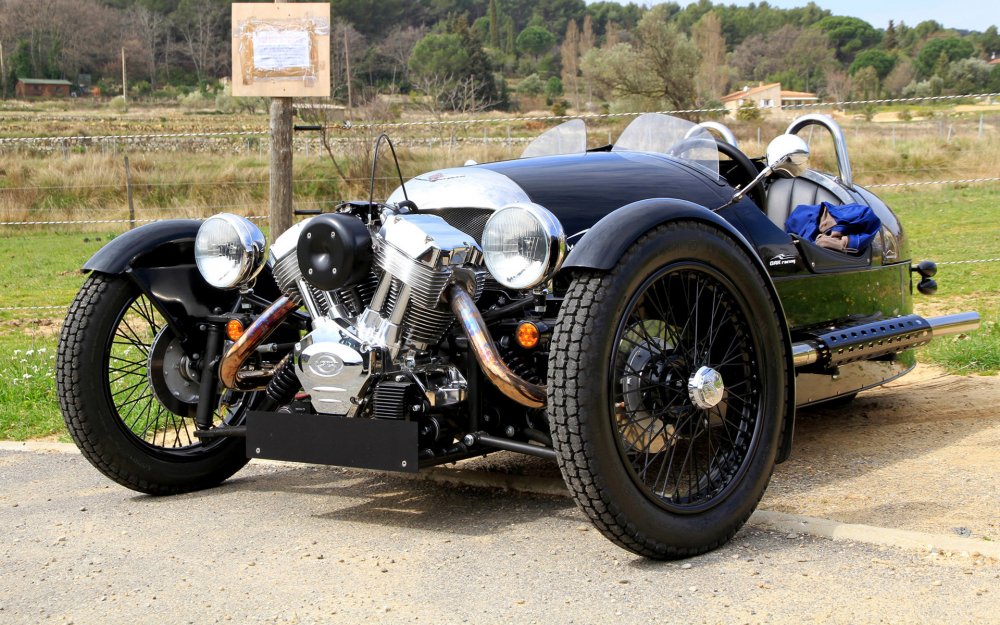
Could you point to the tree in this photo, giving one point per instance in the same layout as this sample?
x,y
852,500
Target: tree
x,y
397,48
531,86
849,35
152,28
881,61
587,35
570,53
953,49
454,71
713,73
199,24
535,41
494,17
660,65
968,75
889,40
795,56
867,81
989,43
837,85
439,55
901,75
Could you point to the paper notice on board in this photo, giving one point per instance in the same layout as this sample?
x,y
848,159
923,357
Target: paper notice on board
x,y
281,50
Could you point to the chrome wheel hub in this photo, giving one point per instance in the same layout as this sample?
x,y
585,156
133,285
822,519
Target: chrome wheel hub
x,y
705,388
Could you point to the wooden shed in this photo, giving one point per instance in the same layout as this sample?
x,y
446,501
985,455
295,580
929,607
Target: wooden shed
x,y
39,88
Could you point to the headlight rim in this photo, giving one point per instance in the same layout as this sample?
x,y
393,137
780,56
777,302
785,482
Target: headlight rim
x,y
555,248
252,245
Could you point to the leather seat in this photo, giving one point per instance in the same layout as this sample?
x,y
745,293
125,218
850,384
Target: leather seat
x,y
785,194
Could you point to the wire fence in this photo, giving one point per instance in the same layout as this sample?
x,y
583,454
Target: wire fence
x,y
493,132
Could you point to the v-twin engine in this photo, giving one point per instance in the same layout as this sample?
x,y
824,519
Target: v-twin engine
x,y
376,298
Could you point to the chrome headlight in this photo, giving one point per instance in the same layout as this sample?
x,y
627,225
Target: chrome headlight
x,y
229,250
523,245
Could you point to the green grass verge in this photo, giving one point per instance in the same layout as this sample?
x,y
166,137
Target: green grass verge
x,y
41,269
946,224
28,404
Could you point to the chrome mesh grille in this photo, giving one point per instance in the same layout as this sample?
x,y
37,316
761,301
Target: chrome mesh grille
x,y
471,221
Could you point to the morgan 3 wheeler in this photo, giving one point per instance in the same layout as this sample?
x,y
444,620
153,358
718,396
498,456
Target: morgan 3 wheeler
x,y
648,314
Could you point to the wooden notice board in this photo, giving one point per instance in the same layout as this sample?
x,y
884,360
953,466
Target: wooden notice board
x,y
281,50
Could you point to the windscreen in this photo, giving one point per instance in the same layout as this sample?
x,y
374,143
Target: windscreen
x,y
673,136
566,138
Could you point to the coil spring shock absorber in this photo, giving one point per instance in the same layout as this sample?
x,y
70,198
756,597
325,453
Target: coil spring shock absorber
x,y
283,386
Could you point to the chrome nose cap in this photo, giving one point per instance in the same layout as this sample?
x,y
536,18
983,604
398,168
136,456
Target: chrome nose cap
x,y
705,388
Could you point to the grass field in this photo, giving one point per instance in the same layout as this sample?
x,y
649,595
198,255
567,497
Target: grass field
x,y
41,269
191,177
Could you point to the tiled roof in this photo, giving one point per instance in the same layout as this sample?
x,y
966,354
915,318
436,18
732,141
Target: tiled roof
x,y
742,93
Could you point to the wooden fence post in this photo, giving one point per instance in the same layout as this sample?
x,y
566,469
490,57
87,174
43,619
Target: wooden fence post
x,y
280,210
128,193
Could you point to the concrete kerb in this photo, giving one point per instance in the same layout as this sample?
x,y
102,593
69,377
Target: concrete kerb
x,y
554,487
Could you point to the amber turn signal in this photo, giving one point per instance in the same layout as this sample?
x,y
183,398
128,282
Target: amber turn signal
x,y
234,329
527,335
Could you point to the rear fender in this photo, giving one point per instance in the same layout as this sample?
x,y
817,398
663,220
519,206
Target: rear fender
x,y
606,242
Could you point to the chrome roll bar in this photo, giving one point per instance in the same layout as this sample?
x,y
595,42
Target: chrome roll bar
x,y
839,142
717,129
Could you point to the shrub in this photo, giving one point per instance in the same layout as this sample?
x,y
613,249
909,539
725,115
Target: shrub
x,y
748,112
118,104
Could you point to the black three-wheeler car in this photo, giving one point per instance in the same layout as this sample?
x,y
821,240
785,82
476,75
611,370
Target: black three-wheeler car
x,y
637,312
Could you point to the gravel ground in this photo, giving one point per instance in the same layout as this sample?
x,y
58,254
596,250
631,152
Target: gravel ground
x,y
290,544
283,544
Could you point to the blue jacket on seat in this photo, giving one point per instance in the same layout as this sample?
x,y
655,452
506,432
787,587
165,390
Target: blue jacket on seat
x,y
856,222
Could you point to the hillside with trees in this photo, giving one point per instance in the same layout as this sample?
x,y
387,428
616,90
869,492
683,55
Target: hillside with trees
x,y
474,55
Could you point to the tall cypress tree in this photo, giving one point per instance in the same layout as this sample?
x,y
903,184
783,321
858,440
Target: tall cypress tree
x,y
494,25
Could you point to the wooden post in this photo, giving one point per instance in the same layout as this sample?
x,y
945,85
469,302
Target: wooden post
x,y
3,76
124,81
280,209
347,77
128,193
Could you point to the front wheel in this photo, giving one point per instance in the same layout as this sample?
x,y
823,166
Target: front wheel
x,y
667,391
128,394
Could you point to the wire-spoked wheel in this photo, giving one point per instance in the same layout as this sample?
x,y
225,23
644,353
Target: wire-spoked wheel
x,y
128,391
670,453
153,384
683,372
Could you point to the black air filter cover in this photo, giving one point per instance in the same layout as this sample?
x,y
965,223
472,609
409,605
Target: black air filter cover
x,y
334,251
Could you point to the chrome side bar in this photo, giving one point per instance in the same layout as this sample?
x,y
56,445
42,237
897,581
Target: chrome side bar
x,y
806,353
481,343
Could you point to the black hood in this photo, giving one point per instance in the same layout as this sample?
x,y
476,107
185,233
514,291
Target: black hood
x,y
580,189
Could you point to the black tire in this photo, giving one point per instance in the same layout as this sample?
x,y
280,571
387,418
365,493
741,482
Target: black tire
x,y
103,397
604,417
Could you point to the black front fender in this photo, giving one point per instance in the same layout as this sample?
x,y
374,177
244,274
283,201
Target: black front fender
x,y
159,244
159,259
606,242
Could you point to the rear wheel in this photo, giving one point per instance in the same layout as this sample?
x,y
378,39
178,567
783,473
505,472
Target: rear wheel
x,y
667,391
128,393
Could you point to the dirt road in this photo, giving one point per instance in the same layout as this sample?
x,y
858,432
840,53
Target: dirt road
x,y
282,544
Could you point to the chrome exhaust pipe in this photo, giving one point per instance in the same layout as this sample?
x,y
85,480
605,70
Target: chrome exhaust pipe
x,y
481,343
954,324
809,352
229,369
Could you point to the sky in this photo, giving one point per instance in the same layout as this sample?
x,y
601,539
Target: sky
x,y
961,14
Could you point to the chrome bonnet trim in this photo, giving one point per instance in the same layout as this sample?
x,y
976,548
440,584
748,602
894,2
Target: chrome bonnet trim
x,y
461,187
